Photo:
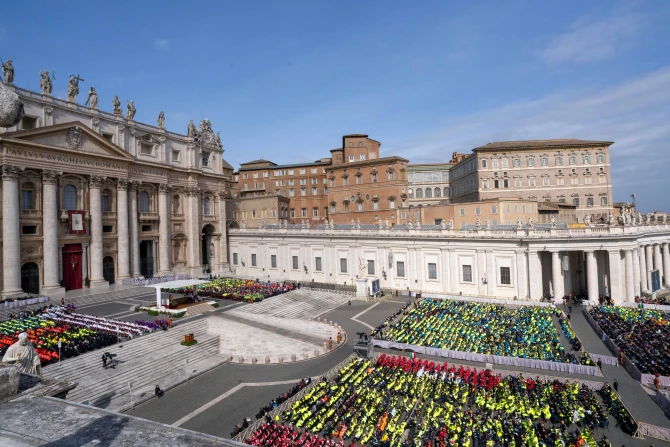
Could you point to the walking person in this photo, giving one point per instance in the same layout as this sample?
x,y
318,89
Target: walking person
x,y
600,365
616,386
104,361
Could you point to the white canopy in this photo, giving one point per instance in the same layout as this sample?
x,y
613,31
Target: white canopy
x,y
174,285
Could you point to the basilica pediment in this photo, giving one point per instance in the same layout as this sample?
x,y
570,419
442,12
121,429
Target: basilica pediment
x,y
72,136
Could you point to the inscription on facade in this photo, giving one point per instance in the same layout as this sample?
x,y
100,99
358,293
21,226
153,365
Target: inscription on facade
x,y
65,159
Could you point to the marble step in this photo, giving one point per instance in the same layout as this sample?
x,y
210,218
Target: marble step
x,y
138,346
199,309
115,382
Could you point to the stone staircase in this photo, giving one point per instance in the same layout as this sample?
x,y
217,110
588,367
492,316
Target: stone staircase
x,y
143,362
199,309
303,304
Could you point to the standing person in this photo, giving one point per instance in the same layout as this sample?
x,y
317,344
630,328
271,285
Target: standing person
x,y
600,364
104,361
62,301
158,392
657,382
616,386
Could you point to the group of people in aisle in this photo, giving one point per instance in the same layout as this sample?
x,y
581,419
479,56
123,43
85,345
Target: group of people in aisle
x,y
243,289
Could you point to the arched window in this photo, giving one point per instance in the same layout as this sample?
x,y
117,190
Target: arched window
x,y
438,192
445,191
69,197
206,206
144,202
429,193
411,193
419,193
27,196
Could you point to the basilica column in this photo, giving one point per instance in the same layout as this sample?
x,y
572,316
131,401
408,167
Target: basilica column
x,y
556,277
95,210
122,228
163,230
11,248
643,270
223,245
636,272
194,232
534,275
666,263
134,230
591,276
50,230
630,276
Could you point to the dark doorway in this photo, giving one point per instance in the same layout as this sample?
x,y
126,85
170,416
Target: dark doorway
x,y
30,278
147,259
72,258
205,249
108,269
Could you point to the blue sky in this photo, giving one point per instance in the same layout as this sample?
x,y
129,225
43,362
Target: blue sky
x,y
284,80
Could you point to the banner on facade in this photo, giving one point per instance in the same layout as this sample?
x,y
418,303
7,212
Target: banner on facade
x,y
76,222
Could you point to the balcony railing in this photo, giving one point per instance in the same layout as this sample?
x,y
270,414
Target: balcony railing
x,y
31,213
148,216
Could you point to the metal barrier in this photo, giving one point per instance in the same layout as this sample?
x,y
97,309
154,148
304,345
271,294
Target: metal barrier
x,y
652,431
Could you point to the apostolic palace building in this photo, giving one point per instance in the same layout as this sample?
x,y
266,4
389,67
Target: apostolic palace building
x,y
91,197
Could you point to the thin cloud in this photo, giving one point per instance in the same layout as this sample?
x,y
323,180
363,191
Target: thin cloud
x,y
633,114
593,40
162,44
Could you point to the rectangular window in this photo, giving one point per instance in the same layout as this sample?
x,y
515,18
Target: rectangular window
x,y
574,180
317,264
304,212
545,181
478,211
292,212
371,267
303,171
505,183
332,208
392,203
505,276
175,155
516,162
589,201
432,270
403,215
359,179
531,181
575,201
494,163
530,162
390,175
375,205
291,192
360,206
362,157
544,161
315,181
400,269
294,262
351,158
483,164
467,273
315,212
516,208
517,182
494,209
343,265
601,158
253,259
27,200
332,182
291,172
560,181
315,191
504,163
234,258
303,181
345,181
313,170
290,182
108,228
485,183
587,180
603,201
303,192
602,179
374,178
462,211
29,229
587,159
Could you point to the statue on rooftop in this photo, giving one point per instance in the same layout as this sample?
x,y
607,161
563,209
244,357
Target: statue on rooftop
x,y
22,354
451,224
192,131
610,219
530,224
131,111
92,100
587,220
73,88
553,221
117,105
478,224
161,120
45,82
519,224
8,71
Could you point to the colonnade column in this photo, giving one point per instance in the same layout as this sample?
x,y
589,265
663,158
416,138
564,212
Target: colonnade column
x,y
630,276
556,276
50,230
95,210
636,272
666,263
123,256
11,248
649,257
643,270
163,230
658,260
591,276
534,275
134,234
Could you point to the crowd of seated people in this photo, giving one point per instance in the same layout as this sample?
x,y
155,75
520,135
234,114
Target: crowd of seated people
x,y
395,400
272,405
526,332
243,289
641,334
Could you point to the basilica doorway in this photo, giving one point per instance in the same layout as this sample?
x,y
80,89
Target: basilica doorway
x,y
206,249
72,258
108,269
147,259
30,278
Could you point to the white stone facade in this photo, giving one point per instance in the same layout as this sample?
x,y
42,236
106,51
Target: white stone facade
x,y
523,263
153,202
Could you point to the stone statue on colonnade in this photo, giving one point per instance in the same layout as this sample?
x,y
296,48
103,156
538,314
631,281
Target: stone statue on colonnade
x,y
45,82
8,71
22,354
130,116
